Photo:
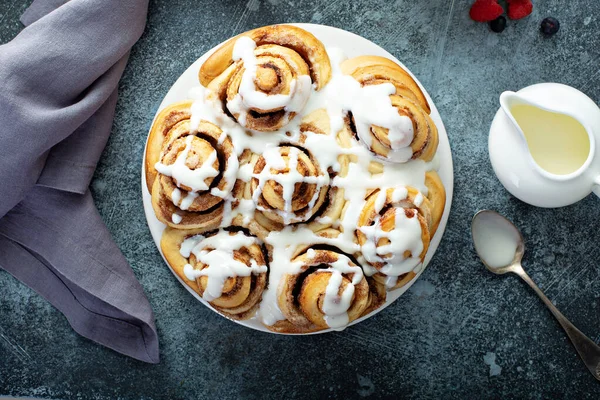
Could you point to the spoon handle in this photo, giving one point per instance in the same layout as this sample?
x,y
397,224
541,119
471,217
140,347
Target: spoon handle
x,y
587,349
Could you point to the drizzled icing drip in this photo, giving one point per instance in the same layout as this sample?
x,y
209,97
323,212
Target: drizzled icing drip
x,y
219,260
401,240
176,218
369,105
176,196
288,181
335,306
249,98
229,175
188,200
192,178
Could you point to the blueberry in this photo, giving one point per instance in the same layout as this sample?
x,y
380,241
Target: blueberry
x,y
549,26
498,24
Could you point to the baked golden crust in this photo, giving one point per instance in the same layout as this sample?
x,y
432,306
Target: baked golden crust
x,y
408,99
375,70
163,123
240,295
297,39
170,245
436,193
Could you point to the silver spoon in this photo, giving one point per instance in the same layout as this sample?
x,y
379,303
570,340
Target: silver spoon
x,y
500,247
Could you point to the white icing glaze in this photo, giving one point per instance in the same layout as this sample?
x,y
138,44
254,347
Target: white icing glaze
x,y
176,218
246,209
219,260
419,200
369,105
301,88
399,193
249,98
176,196
185,249
288,181
192,178
187,201
335,306
405,237
245,172
380,200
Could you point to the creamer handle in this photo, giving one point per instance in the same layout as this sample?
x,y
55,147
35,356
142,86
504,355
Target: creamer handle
x,y
596,187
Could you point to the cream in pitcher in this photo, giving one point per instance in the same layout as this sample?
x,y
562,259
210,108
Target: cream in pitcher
x,y
557,142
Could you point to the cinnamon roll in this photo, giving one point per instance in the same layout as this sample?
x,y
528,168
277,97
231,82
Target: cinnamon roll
x,y
288,185
190,171
394,231
410,133
328,291
228,269
263,77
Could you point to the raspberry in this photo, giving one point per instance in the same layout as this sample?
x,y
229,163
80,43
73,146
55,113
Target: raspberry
x,y
518,9
485,10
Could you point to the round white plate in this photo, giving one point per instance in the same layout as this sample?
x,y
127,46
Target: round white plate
x,y
352,45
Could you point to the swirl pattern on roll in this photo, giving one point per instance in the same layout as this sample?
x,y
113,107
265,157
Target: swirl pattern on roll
x,y
329,290
288,185
194,171
409,133
394,233
264,77
228,269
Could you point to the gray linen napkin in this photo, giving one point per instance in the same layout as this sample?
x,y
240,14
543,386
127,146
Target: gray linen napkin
x,y
59,80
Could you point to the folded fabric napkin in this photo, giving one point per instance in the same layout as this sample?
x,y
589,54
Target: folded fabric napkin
x,y
59,80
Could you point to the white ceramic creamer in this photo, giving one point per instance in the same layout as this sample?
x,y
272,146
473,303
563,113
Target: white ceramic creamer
x,y
544,144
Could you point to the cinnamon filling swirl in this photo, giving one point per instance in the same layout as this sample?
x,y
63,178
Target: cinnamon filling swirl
x,y
196,174
394,233
329,291
230,277
288,185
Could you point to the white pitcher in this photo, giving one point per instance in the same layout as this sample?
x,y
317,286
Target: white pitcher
x,y
516,167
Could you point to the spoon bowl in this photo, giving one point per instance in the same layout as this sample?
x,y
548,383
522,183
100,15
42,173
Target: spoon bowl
x,y
492,235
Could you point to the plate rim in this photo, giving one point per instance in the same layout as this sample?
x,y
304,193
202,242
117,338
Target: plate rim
x,y
447,173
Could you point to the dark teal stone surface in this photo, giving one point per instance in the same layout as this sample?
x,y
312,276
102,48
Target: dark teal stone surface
x,y
435,340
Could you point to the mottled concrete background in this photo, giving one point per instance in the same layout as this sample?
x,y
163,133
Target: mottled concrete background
x,y
458,333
